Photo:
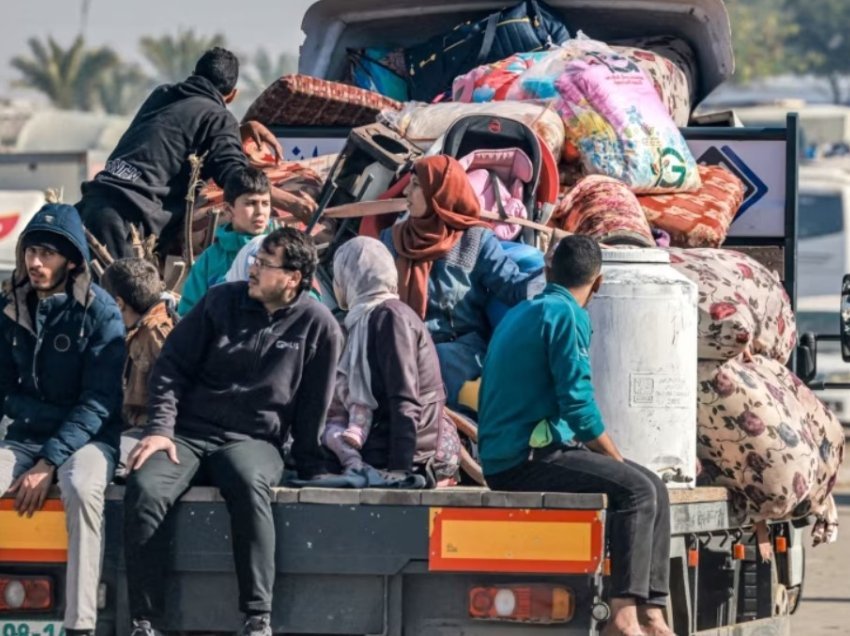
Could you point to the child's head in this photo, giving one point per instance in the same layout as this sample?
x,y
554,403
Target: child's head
x,y
136,286
247,194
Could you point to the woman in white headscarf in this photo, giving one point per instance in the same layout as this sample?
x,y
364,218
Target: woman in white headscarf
x,y
389,397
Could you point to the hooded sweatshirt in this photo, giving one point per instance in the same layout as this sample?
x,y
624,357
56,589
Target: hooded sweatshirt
x,y
212,266
148,172
61,358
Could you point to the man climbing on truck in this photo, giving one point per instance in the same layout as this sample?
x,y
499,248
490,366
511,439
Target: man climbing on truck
x,y
540,430
146,178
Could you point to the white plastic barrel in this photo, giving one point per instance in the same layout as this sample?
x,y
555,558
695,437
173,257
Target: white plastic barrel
x,y
644,361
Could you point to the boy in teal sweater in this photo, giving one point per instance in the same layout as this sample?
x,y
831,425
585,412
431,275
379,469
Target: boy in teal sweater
x,y
540,430
247,195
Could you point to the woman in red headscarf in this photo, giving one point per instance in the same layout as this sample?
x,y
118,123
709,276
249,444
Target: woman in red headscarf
x,y
450,265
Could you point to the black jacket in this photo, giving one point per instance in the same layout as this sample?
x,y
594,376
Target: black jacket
x,y
229,371
148,172
407,385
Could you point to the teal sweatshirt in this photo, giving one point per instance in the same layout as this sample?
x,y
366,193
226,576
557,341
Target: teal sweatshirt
x,y
537,368
212,265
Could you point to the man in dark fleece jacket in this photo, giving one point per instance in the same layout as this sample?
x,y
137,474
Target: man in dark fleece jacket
x,y
146,177
61,356
248,364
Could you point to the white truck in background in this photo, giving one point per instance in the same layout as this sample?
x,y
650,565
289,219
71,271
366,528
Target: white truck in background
x,y
16,209
24,178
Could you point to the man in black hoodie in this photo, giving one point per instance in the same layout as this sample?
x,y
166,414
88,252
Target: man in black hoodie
x,y
249,364
146,177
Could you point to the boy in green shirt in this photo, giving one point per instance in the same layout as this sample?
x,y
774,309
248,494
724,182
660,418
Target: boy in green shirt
x,y
247,195
537,402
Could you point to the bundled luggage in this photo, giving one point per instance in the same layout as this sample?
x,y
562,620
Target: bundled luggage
x,y
670,81
615,122
742,305
528,26
584,136
605,209
761,432
764,435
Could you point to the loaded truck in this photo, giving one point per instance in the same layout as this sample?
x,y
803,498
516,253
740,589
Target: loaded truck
x,y
465,560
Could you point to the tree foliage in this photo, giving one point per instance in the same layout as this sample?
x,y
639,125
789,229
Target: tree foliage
x,y
123,88
173,57
822,40
761,30
267,69
84,78
68,77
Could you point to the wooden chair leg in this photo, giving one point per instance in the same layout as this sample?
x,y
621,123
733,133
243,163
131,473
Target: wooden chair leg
x,y
467,463
471,467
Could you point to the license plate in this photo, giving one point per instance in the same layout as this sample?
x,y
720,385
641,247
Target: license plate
x,y
31,628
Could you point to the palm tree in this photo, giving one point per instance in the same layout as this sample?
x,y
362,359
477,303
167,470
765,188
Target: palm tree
x,y
173,58
266,70
68,77
123,89
263,71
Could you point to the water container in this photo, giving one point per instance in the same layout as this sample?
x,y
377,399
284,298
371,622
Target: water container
x,y
644,361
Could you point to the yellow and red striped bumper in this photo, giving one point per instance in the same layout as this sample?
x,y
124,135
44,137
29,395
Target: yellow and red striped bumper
x,y
42,538
515,540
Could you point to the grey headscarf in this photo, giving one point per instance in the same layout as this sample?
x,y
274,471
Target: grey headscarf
x,y
365,276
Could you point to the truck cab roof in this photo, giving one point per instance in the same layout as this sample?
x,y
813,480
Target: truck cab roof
x,y
332,26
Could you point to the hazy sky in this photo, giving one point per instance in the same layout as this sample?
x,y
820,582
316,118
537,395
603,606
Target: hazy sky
x,y
247,24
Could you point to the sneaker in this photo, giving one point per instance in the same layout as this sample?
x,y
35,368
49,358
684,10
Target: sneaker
x,y
143,628
259,625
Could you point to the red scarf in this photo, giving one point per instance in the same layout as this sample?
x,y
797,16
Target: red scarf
x,y
452,209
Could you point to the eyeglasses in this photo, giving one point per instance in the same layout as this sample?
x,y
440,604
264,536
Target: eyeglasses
x,y
261,264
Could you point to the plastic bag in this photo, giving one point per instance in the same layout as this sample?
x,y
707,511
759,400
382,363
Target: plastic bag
x,y
615,122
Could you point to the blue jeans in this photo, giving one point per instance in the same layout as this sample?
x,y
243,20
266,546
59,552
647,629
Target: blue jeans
x,y
461,360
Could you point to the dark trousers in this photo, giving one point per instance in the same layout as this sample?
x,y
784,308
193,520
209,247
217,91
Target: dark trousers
x,y
638,513
245,472
109,224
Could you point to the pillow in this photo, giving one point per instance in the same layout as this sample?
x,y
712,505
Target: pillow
x,y
604,209
701,218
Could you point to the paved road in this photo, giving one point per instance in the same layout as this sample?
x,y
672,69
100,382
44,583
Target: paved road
x,y
825,610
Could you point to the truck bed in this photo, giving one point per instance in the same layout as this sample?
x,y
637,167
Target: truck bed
x,y
355,561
